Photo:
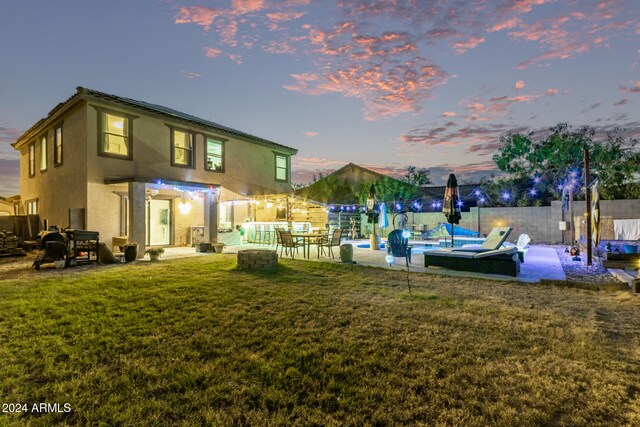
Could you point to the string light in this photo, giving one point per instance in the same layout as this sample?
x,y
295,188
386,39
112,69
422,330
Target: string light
x,y
533,192
506,196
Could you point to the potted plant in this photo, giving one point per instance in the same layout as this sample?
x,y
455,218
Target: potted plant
x,y
154,253
218,247
130,252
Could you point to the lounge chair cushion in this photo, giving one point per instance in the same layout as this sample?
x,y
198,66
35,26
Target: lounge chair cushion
x,y
496,252
494,240
450,253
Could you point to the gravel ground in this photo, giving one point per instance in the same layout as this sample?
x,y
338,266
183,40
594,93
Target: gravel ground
x,y
579,271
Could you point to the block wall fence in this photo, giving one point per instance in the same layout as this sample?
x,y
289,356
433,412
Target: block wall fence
x,y
540,223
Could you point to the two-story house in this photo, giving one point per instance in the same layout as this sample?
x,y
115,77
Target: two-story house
x,y
130,168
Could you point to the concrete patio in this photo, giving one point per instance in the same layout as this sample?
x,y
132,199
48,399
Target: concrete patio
x,y
541,262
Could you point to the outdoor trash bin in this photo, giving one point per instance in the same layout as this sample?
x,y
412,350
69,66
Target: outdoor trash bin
x,y
346,252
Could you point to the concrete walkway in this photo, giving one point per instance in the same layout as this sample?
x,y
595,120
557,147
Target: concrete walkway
x,y
540,262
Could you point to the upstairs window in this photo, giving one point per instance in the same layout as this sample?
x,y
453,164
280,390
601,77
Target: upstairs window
x,y
181,148
115,136
43,153
32,207
282,168
57,146
32,159
214,155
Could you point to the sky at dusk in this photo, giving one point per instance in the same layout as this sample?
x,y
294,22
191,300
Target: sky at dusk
x,y
381,83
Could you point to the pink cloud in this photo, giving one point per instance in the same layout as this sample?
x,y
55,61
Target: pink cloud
x,y
470,43
519,84
311,134
212,52
284,16
449,114
634,88
199,15
551,91
246,6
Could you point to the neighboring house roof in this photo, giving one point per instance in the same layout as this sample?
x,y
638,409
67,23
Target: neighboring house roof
x,y
346,182
342,185
85,94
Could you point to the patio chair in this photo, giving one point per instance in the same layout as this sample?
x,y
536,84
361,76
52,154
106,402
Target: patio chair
x,y
522,244
398,246
288,243
329,242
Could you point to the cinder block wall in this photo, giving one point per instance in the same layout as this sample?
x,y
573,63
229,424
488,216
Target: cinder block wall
x,y
540,223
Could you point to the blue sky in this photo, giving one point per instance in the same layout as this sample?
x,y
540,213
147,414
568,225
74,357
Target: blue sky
x,y
382,83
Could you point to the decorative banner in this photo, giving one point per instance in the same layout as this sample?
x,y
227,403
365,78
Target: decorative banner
x,y
595,213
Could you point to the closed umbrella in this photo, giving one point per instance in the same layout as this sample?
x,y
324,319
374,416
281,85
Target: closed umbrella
x,y
450,207
595,213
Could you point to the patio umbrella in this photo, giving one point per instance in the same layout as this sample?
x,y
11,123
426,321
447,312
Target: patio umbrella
x,y
595,213
384,222
450,207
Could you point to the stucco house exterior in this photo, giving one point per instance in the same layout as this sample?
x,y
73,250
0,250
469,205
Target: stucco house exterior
x,y
130,168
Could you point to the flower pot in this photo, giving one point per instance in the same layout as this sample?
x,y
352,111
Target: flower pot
x,y
130,253
374,242
154,257
218,247
203,247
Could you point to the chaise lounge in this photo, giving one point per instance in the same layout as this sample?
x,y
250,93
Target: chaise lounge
x,y
487,258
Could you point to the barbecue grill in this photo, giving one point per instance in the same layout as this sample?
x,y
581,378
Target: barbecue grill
x,y
71,246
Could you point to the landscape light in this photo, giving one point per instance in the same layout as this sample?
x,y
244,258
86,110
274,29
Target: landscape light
x,y
389,258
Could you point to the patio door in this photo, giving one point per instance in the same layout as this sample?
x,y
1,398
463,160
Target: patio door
x,y
158,222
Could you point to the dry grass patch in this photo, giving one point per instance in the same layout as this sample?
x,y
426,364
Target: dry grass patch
x,y
195,341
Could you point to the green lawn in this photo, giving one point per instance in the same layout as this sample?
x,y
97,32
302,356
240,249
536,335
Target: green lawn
x,y
194,341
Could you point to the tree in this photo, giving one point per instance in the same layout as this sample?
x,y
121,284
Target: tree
x,y
541,168
417,176
389,190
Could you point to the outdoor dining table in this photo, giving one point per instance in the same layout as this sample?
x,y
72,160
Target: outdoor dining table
x,y
306,240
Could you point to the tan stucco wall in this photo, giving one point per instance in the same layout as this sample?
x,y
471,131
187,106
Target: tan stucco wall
x,y
183,221
249,168
59,187
6,208
104,212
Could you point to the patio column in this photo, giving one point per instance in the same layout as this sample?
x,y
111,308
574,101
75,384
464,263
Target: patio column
x,y
137,216
211,215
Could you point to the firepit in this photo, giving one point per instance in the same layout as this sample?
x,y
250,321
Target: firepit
x,y
257,259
